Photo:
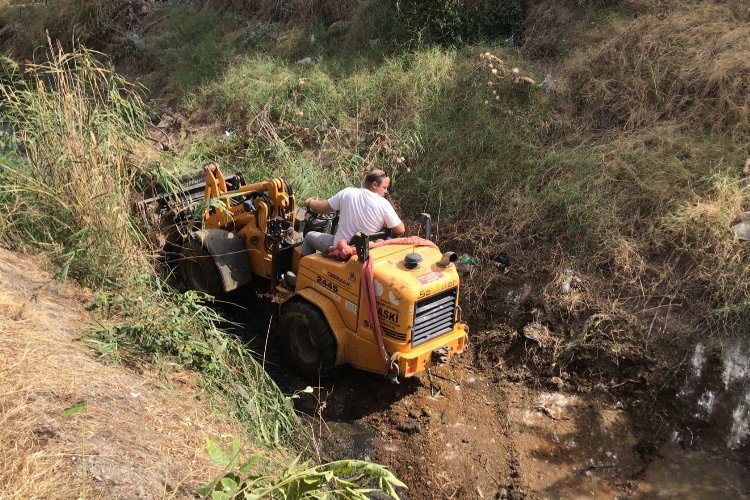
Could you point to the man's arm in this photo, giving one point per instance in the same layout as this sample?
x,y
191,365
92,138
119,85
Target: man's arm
x,y
318,206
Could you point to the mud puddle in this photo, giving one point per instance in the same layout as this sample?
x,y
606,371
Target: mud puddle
x,y
693,474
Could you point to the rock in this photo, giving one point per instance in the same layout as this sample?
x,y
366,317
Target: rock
x,y
742,230
408,427
548,84
305,61
537,332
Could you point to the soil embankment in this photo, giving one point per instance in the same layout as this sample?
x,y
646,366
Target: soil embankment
x,y
72,426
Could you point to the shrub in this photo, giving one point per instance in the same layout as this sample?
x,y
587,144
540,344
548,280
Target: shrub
x,y
455,22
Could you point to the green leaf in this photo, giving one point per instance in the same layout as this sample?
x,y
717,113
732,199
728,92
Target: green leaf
x,y
218,456
79,407
206,490
229,486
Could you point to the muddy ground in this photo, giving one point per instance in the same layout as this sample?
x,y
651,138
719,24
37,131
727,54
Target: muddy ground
x,y
479,429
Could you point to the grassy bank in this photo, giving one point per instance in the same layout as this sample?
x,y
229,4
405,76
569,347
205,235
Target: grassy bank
x,y
626,169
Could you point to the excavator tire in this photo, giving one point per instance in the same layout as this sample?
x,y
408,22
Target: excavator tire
x,y
197,269
308,340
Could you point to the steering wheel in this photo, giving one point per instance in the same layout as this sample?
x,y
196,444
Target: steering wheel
x,y
318,222
311,216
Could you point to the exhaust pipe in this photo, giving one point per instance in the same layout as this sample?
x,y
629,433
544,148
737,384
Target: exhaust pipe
x,y
447,259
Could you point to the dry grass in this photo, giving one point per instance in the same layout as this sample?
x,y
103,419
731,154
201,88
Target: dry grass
x,y
295,12
136,437
688,62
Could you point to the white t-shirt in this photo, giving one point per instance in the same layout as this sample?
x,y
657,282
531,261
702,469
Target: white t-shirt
x,y
361,210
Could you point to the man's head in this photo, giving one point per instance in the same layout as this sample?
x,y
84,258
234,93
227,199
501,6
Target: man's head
x,y
377,181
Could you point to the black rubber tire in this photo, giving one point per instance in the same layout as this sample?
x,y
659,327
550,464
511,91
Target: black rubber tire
x,y
307,338
198,271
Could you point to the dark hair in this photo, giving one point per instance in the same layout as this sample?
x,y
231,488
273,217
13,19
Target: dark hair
x,y
375,177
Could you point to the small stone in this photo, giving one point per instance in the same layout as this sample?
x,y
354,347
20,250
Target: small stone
x,y
408,427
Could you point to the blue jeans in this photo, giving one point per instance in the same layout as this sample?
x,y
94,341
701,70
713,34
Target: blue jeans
x,y
316,241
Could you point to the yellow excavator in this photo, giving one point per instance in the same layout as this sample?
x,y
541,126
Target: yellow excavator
x,y
389,306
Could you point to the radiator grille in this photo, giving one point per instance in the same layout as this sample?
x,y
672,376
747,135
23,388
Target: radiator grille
x,y
434,316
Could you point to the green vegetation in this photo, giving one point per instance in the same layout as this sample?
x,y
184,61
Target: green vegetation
x,y
77,127
460,21
625,168
343,479
605,172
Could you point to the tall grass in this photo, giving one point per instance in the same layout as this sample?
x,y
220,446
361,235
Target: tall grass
x,y
78,126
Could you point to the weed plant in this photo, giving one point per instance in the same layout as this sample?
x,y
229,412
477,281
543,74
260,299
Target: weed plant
x,y
343,479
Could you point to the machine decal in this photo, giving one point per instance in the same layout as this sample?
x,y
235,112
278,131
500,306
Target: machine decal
x,y
378,288
337,279
351,307
324,282
393,299
430,277
388,314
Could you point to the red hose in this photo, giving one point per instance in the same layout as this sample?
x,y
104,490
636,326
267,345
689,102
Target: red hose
x,y
343,250
372,310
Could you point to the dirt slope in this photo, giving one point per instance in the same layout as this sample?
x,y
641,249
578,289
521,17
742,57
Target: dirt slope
x,y
136,438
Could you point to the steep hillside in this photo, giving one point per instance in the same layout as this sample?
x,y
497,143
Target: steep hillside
x,y
74,426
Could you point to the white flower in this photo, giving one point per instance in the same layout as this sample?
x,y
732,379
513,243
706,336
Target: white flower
x,y
494,71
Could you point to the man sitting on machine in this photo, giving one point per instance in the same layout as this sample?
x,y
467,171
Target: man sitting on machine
x,y
362,209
